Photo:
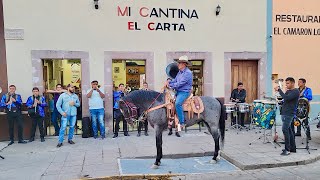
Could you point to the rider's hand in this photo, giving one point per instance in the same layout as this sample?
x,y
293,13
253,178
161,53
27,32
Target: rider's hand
x,y
166,84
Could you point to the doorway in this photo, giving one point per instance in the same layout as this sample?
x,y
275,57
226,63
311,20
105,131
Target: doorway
x,y
247,73
64,72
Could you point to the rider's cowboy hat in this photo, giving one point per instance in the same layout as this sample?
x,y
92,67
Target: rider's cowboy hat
x,y
184,59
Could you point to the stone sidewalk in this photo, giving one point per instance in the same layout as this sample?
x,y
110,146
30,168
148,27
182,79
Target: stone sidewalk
x,y
90,158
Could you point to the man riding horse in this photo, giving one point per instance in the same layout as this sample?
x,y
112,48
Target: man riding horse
x,y
182,83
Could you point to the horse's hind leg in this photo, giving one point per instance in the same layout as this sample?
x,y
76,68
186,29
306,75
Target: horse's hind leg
x,y
215,134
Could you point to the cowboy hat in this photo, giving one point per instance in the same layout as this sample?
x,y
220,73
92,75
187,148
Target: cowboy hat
x,y
184,59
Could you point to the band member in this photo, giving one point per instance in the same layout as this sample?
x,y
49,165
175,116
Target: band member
x,y
36,104
305,92
287,113
96,109
145,122
182,83
12,102
145,86
239,95
118,116
67,105
55,115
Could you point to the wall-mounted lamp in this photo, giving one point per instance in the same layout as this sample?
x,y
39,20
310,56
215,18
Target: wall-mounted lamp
x,y
218,9
96,4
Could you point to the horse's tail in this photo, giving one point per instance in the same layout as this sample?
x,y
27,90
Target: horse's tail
x,y
222,121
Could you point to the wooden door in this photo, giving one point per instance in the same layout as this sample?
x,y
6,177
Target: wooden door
x,y
247,73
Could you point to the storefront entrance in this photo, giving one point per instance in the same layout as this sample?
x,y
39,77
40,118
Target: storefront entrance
x,y
64,72
197,71
132,73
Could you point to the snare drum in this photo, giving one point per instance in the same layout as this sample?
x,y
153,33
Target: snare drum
x,y
230,107
243,107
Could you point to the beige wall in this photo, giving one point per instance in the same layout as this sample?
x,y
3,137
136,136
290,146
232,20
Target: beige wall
x,y
74,25
294,55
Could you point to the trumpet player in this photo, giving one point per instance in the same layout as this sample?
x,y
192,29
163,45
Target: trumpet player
x,y
305,92
117,115
36,104
12,102
288,110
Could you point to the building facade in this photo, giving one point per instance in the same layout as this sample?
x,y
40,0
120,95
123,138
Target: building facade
x,y
228,46
296,35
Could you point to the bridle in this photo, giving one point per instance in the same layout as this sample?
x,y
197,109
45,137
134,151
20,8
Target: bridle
x,y
133,109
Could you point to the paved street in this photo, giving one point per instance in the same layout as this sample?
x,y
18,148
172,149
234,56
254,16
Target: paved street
x,y
90,158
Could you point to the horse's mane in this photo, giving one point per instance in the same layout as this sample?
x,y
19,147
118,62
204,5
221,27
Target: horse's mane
x,y
143,96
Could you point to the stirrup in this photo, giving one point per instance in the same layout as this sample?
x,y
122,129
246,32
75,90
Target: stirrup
x,y
170,124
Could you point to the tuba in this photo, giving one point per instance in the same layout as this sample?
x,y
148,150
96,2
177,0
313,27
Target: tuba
x,y
303,109
172,70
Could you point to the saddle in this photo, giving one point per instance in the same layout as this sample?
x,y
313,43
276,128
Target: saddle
x,y
192,105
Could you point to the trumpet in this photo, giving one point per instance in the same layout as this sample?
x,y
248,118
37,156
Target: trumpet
x,y
279,82
35,103
277,94
10,103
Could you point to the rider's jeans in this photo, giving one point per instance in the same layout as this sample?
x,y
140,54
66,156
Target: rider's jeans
x,y
181,97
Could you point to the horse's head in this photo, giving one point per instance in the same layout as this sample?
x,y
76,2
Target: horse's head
x,y
129,110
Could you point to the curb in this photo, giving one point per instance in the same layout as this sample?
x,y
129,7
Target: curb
x,y
268,165
234,161
137,177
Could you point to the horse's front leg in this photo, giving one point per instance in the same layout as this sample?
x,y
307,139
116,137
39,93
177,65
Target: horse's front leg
x,y
159,147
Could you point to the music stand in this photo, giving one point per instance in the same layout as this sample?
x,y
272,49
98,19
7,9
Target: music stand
x,y
304,126
1,150
275,129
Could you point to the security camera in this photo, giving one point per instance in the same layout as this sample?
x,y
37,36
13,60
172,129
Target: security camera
x,y
96,4
270,36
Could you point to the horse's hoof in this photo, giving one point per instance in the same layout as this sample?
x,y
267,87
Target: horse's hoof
x,y
154,166
213,161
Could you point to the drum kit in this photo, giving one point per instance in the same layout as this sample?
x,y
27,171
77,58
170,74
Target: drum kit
x,y
262,115
233,108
